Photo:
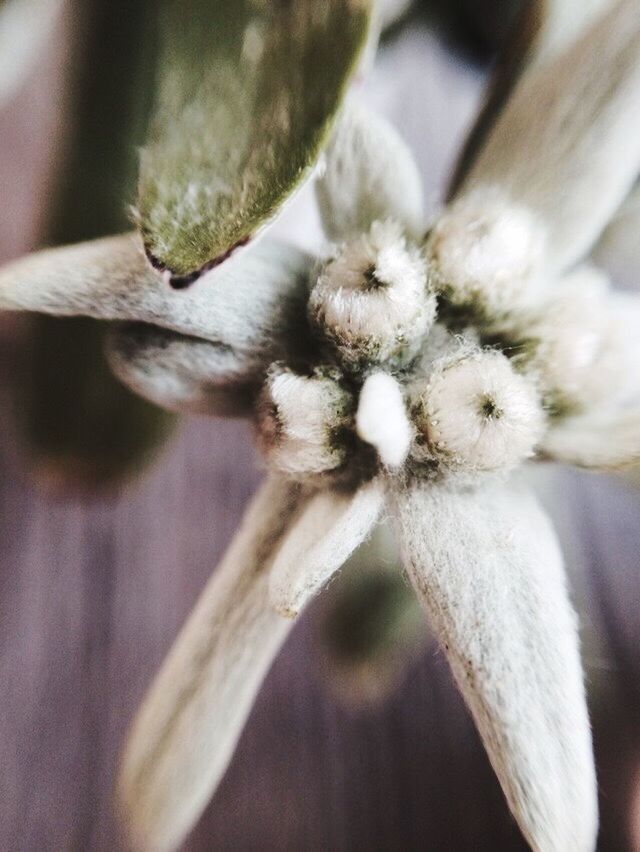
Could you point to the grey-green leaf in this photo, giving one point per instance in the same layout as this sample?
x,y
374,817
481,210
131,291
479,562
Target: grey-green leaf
x,y
370,174
566,146
246,99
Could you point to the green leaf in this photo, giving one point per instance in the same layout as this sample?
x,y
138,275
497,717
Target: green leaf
x,y
246,100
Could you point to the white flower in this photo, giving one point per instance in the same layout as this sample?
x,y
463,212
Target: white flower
x,y
485,251
479,552
298,422
477,413
372,301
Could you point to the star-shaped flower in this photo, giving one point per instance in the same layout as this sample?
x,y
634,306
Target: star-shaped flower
x,y
409,375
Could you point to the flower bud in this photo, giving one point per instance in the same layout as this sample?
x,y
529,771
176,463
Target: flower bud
x,y
568,335
477,413
299,421
613,378
586,343
372,301
485,254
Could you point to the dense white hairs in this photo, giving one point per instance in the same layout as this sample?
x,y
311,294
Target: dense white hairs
x,y
297,420
488,569
381,419
476,413
327,532
373,300
186,730
486,251
568,333
566,146
370,175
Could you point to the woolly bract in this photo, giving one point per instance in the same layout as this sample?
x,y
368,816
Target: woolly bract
x,y
355,190
329,530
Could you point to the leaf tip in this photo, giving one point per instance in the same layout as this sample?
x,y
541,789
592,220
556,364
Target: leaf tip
x,y
179,281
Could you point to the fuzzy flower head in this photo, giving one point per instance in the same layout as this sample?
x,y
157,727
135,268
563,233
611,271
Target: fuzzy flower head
x,y
300,420
372,302
477,413
484,253
373,314
408,373
470,409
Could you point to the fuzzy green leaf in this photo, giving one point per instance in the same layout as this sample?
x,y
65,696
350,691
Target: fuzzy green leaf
x,y
248,92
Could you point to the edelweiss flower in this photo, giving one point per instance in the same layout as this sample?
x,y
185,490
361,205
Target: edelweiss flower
x,y
408,375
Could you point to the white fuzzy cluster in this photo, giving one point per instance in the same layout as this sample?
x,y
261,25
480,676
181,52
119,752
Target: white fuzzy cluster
x,y
382,421
372,301
569,334
485,251
582,337
614,376
477,413
297,421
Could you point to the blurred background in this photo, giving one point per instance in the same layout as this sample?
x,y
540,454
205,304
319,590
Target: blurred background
x,y
112,516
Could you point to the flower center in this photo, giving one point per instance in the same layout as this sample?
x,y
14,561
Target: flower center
x,y
489,409
371,279
386,384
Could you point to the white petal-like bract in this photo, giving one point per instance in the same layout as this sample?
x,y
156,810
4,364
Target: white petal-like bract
x,y
567,144
183,374
487,567
187,728
605,441
318,544
369,175
251,303
381,419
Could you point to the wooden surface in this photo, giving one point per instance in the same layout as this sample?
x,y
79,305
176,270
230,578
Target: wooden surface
x,y
92,592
